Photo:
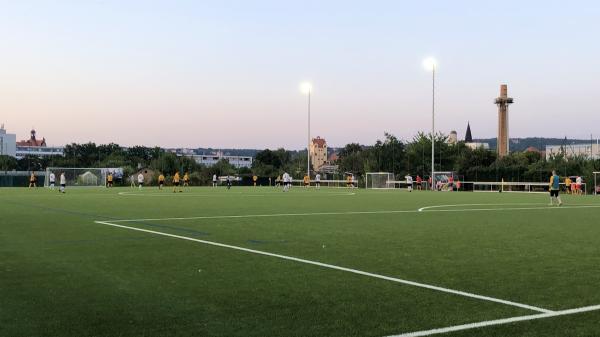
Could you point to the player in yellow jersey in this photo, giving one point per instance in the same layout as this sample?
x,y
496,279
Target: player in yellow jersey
x,y
186,180
161,181
109,180
349,181
306,181
254,179
568,185
32,180
176,180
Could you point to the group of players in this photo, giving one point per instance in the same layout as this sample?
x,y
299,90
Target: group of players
x,y
574,187
51,181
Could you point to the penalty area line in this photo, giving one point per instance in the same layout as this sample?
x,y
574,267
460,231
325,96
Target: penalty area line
x,y
331,266
502,321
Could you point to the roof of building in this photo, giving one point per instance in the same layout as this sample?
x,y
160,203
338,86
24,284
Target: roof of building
x,y
320,142
32,141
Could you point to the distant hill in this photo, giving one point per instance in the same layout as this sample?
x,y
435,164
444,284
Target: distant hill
x,y
521,144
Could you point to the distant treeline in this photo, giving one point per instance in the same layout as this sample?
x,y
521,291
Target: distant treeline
x,y
389,154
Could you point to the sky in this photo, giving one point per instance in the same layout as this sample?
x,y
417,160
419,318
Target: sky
x,y
226,74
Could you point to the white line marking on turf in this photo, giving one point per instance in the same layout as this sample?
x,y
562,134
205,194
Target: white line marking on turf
x,y
331,266
420,210
510,209
498,322
265,215
459,205
170,195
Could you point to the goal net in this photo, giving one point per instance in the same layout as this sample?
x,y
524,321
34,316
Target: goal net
x,y
81,177
379,180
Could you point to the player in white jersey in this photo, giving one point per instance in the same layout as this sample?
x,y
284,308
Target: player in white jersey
x,y
286,182
214,180
409,182
52,180
140,180
318,181
63,183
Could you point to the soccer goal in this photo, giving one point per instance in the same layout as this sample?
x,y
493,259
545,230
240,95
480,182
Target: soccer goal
x,y
379,180
79,177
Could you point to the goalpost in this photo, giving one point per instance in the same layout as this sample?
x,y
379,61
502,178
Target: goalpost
x,y
379,180
80,177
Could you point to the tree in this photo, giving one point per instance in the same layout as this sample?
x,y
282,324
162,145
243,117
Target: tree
x,y
8,163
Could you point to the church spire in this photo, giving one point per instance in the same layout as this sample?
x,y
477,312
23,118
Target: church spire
x,y
468,136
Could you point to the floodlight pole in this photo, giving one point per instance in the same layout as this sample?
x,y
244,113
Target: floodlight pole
x,y
433,127
308,147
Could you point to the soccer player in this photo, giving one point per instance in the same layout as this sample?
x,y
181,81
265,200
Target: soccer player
x,y
63,183
176,179
409,182
186,180
228,182
306,181
349,181
286,182
132,180
555,189
254,179
32,180
579,184
318,181
161,181
352,181
451,183
109,180
568,185
419,183
214,180
52,180
140,180
278,181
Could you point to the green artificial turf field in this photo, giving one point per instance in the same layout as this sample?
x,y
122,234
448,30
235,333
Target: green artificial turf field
x,y
329,262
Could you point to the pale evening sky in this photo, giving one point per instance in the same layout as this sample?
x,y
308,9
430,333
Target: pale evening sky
x,y
226,73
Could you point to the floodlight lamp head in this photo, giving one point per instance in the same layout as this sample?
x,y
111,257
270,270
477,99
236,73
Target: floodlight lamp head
x,y
430,64
306,88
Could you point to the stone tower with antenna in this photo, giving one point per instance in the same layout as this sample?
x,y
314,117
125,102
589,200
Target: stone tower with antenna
x,y
503,101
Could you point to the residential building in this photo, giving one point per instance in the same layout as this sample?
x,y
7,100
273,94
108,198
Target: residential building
x,y
212,159
588,151
8,143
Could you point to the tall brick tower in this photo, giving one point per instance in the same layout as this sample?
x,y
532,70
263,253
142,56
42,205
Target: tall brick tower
x,y
502,102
